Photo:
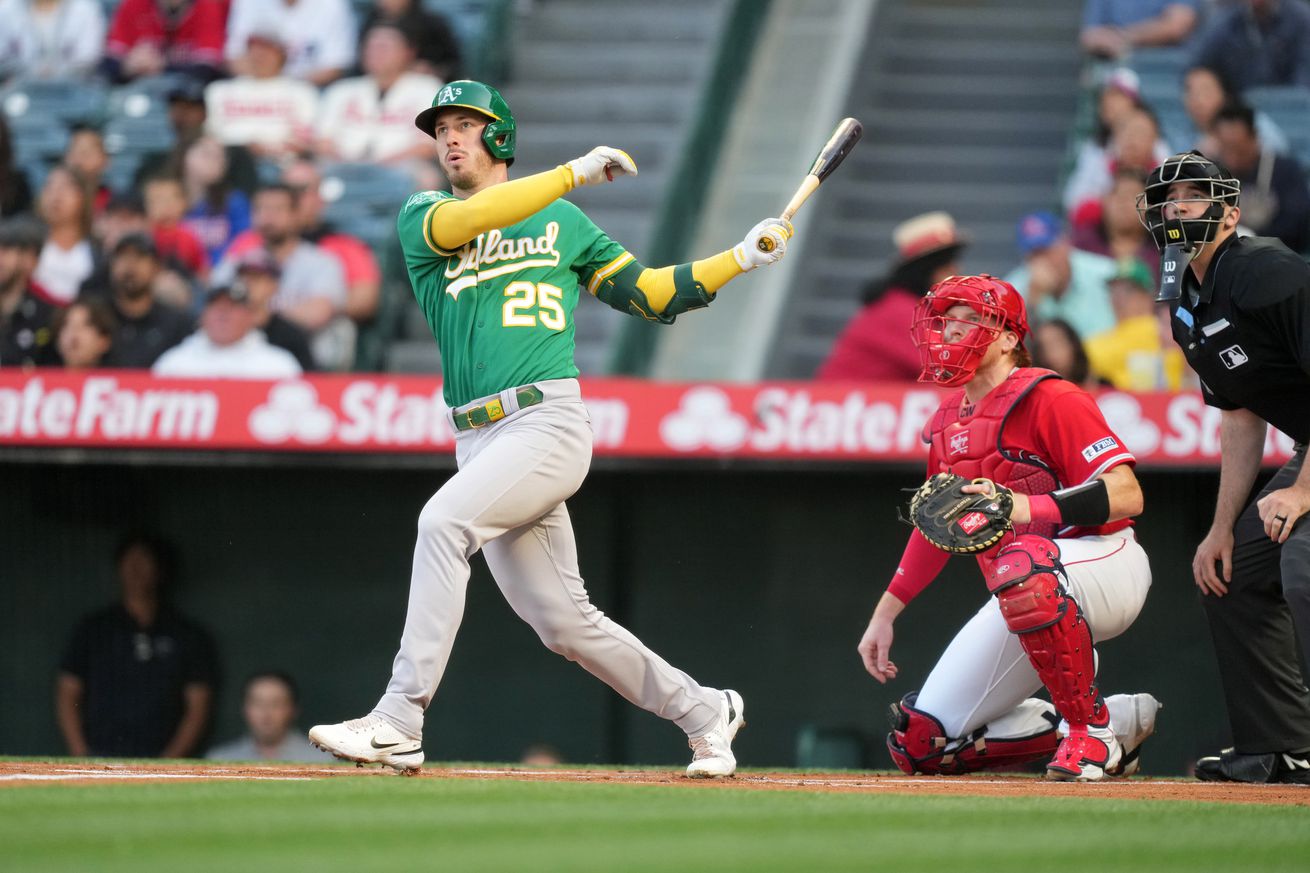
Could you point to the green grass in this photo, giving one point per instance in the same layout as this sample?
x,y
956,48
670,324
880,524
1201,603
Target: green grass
x,y
395,825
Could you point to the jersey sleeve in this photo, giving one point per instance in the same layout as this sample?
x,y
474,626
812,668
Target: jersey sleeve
x,y
1078,440
1276,293
414,225
599,257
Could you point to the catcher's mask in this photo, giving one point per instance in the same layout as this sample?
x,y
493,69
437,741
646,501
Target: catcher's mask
x,y
951,348
1216,188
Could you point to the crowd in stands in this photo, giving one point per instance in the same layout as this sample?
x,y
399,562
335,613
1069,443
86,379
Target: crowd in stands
x,y
1089,270
168,170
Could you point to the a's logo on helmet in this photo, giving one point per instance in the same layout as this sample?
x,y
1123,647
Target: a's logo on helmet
x,y
448,94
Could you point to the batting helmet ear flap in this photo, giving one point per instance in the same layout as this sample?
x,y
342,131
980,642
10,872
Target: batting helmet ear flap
x,y
499,134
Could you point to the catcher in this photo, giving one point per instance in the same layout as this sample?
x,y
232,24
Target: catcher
x,y
1025,473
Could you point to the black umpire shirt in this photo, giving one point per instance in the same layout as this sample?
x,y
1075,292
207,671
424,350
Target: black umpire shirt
x,y
1245,330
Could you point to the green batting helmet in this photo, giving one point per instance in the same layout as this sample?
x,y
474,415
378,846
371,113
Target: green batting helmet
x,y
498,134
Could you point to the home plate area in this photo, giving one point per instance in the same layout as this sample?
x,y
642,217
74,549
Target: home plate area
x,y
36,772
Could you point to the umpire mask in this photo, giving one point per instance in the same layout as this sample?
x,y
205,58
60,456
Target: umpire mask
x,y
1176,236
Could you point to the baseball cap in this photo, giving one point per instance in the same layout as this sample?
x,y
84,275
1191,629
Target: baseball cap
x,y
258,260
138,242
22,232
269,35
236,291
1125,80
1134,270
926,234
1038,230
187,90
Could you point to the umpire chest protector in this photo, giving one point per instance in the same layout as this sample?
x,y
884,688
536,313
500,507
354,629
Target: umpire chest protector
x,y
974,448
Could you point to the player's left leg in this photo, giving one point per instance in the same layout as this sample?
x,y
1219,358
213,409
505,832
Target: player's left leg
x,y
536,567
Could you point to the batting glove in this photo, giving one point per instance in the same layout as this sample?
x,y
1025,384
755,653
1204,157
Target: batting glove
x,y
747,252
601,164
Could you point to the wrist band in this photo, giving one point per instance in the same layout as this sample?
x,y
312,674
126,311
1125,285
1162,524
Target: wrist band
x,y
1086,505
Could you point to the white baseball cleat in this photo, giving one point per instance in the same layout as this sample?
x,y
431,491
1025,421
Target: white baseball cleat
x,y
1132,718
369,740
712,756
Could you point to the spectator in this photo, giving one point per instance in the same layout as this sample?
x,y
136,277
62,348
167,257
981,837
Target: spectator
x,y
84,333
1059,281
228,344
188,117
260,272
438,49
1113,228
877,345
1056,346
87,155
1275,199
1259,42
26,311
263,109
371,117
312,291
50,39
270,704
1204,94
1113,28
15,193
358,263
1131,356
1135,144
69,255
216,211
151,37
319,35
146,327
166,206
137,677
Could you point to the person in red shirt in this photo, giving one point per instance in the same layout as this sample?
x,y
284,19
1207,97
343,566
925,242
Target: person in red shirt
x,y
166,206
1069,574
875,346
151,37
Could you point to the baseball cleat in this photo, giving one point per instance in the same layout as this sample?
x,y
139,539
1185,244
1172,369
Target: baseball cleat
x,y
369,740
1132,718
1086,755
712,756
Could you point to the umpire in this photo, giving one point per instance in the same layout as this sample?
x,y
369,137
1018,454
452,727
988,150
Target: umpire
x,y
1241,314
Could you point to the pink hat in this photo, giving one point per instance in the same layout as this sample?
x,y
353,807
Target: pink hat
x,y
1125,80
926,234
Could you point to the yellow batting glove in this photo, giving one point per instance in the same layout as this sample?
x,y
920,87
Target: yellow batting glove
x,y
748,253
601,164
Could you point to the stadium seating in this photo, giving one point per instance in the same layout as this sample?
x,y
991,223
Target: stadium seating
x,y
66,101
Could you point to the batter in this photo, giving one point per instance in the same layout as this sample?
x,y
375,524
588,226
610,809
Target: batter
x,y
1072,572
496,266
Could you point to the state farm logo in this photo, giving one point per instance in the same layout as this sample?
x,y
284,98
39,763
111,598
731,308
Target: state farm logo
x,y
787,420
292,411
103,409
1123,413
704,419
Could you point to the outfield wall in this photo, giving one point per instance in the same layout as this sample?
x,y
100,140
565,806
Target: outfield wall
x,y
757,577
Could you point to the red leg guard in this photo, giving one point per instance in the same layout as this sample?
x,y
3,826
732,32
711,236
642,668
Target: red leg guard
x,y
1025,577
918,744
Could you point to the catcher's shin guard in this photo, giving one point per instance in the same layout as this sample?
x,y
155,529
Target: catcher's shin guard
x,y
1025,577
918,743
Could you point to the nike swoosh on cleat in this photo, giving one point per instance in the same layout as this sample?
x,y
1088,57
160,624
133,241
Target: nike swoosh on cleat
x,y
1296,763
373,741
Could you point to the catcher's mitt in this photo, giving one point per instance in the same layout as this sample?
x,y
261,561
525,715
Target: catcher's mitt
x,y
957,522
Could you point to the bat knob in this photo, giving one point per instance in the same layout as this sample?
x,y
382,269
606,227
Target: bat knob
x,y
765,244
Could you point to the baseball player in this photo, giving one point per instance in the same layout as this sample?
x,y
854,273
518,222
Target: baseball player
x,y
496,266
1070,574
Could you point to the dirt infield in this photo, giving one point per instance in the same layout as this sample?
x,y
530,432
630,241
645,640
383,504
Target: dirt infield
x,y
20,773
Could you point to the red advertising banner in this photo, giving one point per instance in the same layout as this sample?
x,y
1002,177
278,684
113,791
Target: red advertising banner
x,y
377,413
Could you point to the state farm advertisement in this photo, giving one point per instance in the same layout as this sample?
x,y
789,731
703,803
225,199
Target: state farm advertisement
x,y
796,421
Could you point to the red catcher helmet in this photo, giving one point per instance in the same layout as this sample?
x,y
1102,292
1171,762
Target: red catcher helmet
x,y
953,363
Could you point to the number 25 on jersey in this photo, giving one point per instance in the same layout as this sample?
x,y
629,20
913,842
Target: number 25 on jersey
x,y
526,304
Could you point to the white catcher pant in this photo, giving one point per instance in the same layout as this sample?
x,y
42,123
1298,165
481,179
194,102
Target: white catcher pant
x,y
508,500
984,673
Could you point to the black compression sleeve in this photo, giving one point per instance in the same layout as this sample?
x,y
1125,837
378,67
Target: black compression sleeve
x,y
1084,506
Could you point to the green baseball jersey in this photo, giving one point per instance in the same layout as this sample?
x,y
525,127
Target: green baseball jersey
x,y
501,307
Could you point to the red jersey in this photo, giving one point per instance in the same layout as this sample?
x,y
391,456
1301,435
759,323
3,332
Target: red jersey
x,y
1058,425
195,38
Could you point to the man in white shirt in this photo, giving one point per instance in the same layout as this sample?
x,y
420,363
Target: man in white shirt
x,y
264,108
227,346
371,117
320,35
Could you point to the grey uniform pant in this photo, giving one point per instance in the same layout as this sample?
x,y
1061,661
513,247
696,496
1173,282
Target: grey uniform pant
x,y
507,499
1255,628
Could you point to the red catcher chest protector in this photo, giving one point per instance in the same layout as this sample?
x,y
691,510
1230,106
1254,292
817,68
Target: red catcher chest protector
x,y
973,448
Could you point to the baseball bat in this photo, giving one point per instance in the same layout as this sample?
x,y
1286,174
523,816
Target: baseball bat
x,y
834,151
